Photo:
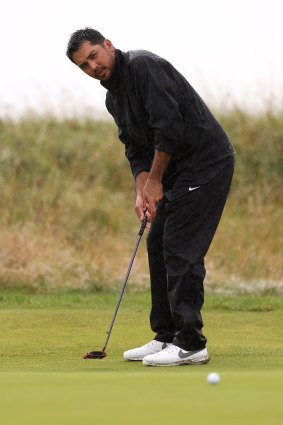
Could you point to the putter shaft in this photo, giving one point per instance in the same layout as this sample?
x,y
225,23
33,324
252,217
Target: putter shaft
x,y
143,225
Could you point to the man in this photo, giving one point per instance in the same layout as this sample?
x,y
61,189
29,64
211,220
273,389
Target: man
x,y
182,162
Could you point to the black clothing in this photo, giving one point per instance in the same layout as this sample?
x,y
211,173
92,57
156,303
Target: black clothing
x,y
178,240
155,107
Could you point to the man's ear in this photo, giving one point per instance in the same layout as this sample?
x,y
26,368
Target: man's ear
x,y
107,43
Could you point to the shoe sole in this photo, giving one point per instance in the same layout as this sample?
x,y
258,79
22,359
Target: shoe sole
x,y
180,363
134,359
140,358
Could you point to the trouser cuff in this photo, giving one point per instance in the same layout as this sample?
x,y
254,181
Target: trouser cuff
x,y
164,337
189,347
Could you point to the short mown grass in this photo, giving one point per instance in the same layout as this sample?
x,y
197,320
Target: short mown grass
x,y
44,379
76,299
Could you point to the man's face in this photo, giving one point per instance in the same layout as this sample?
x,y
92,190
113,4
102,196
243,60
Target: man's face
x,y
96,60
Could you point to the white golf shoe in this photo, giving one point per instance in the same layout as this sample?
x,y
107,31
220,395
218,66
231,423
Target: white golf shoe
x,y
150,348
175,356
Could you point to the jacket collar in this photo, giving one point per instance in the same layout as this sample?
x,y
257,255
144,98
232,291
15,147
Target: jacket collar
x,y
115,79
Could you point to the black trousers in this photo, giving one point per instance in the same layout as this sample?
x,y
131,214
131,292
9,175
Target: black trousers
x,y
178,240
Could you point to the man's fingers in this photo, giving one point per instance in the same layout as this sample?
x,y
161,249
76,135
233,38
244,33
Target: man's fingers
x,y
140,214
153,193
140,208
151,211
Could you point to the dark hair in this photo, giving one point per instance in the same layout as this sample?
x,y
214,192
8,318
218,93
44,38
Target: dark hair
x,y
79,37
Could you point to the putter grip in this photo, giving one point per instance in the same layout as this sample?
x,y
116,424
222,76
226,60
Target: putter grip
x,y
143,225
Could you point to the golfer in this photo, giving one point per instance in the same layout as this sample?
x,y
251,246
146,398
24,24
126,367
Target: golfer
x,y
182,162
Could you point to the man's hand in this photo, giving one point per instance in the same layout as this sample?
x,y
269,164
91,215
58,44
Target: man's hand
x,y
153,189
153,193
149,189
140,207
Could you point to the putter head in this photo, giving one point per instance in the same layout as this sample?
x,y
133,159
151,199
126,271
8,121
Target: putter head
x,y
95,355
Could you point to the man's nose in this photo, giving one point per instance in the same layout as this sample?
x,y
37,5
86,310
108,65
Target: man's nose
x,y
93,65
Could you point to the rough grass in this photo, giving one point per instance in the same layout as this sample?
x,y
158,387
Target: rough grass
x,y
67,207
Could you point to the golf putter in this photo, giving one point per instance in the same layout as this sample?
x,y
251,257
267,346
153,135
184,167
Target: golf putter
x,y
102,354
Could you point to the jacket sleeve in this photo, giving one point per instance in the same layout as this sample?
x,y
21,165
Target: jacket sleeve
x,y
138,162
154,81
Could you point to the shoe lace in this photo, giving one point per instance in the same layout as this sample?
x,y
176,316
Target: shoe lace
x,y
171,349
149,344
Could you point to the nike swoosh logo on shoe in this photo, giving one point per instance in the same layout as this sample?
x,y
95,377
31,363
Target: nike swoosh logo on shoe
x,y
193,188
183,355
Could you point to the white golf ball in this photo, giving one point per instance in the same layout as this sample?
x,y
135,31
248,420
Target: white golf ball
x,y
213,378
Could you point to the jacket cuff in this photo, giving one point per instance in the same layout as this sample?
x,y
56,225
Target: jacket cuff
x,y
138,166
163,145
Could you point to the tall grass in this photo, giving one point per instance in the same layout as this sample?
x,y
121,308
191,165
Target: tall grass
x,y
67,206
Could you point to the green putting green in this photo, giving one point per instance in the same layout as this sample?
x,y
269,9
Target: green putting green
x,y
45,380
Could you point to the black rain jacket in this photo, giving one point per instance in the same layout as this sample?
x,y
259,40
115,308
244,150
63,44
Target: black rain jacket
x,y
155,107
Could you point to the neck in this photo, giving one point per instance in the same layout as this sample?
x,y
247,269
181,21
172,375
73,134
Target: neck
x,y
115,77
